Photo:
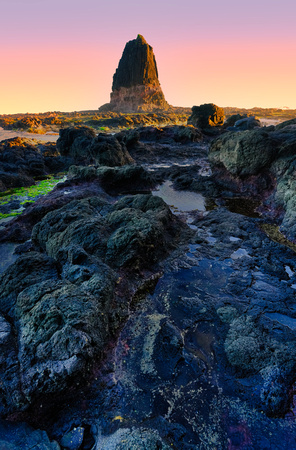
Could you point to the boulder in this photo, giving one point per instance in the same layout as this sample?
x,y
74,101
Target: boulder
x,y
244,153
68,136
57,221
234,118
206,116
27,270
107,151
61,328
136,232
84,147
22,160
124,179
115,180
247,123
144,228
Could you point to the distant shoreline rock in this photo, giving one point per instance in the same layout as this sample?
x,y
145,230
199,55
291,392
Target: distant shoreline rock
x,y
206,116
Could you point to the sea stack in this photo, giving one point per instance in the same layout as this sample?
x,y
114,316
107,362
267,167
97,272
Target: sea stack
x,y
136,87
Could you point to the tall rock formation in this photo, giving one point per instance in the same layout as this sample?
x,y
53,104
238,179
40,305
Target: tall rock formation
x,y
136,87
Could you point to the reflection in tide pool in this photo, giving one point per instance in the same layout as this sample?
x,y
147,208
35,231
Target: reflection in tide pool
x,y
180,200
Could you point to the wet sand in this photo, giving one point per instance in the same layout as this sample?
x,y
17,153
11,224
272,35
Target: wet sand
x,y
9,134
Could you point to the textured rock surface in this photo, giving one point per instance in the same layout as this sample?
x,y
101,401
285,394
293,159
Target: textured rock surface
x,y
29,268
83,146
61,303
114,180
132,439
135,85
261,161
244,153
206,116
198,348
247,123
137,65
61,328
21,160
21,436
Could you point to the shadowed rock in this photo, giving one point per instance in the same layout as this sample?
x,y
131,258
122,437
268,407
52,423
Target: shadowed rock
x,y
83,146
206,116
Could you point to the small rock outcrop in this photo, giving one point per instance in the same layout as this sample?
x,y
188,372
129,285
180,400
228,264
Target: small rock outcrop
x,y
136,87
244,152
206,116
83,146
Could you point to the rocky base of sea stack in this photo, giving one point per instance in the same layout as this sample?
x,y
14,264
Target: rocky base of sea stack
x,y
141,98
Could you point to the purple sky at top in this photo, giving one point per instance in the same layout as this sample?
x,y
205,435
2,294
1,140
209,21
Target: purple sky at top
x,y
61,54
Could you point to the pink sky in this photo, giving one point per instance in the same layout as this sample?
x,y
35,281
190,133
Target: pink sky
x,y
60,55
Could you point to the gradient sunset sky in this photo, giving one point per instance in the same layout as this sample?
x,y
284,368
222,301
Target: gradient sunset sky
x,y
60,55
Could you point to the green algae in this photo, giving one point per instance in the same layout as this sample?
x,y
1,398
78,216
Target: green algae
x,y
273,232
11,214
27,195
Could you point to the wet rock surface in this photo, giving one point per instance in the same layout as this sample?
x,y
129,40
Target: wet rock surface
x,y
84,146
23,160
128,323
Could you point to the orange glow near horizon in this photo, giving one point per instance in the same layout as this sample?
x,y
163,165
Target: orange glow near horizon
x,y
62,54
72,78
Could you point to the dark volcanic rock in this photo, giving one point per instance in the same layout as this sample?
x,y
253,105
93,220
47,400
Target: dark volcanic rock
x,y
19,229
59,220
124,180
234,118
135,83
143,228
206,116
68,136
107,344
21,160
243,153
27,269
107,151
115,180
83,146
132,439
261,161
137,65
247,123
17,436
61,304
11,397
136,232
61,328
166,135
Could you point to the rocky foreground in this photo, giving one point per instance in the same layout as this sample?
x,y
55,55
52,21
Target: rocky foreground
x,y
126,323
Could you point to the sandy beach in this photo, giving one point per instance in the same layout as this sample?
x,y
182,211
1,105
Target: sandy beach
x,y
9,134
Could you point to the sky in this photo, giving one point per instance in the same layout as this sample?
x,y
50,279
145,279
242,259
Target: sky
x,y
60,55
